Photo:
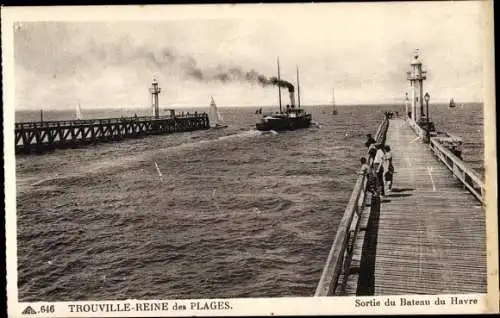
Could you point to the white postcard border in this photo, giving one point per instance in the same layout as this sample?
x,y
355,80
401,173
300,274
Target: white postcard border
x,y
251,306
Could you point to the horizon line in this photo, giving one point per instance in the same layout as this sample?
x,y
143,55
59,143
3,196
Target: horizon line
x,y
243,106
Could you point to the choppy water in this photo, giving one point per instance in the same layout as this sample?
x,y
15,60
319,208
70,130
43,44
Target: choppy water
x,y
237,214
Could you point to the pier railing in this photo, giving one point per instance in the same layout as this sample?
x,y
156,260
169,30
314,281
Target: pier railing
x,y
339,259
72,122
38,137
419,131
471,180
416,128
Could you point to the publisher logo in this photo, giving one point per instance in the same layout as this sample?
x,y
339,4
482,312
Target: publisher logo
x,y
29,311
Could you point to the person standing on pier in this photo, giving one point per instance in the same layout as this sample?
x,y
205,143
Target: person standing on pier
x,y
370,144
379,168
372,151
388,167
369,141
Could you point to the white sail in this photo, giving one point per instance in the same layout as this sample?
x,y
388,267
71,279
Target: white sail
x,y
213,115
78,112
219,116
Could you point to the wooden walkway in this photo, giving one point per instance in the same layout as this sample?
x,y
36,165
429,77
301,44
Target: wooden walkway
x,y
429,237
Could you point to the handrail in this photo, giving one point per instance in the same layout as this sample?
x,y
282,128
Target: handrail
x,y
71,122
416,128
471,180
331,272
459,168
337,260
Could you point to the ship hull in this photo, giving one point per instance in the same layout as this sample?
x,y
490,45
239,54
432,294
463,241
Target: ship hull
x,y
281,124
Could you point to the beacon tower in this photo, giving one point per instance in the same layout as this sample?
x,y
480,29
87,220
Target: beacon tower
x,y
155,91
416,76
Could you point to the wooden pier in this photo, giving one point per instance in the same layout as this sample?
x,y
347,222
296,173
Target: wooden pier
x,y
38,137
339,262
425,237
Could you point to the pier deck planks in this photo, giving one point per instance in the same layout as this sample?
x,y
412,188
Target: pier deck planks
x,y
431,233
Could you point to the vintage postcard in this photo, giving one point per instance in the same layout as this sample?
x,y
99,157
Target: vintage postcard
x,y
234,160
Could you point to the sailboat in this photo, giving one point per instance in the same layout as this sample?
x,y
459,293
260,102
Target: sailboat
x,y
79,112
334,109
452,103
214,117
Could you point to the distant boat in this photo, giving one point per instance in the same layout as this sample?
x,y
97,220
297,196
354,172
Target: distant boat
x,y
79,112
334,108
452,103
258,111
290,119
214,117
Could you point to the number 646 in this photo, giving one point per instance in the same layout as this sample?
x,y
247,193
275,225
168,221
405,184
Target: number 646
x,y
47,309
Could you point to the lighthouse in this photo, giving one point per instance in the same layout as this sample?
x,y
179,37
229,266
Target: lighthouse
x,y
416,76
155,91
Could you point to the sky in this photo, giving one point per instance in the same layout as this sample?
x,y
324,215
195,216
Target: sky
x,y
361,50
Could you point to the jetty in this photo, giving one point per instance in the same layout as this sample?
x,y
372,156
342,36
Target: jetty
x,y
43,136
426,236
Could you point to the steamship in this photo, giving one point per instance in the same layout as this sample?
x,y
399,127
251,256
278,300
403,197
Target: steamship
x,y
293,117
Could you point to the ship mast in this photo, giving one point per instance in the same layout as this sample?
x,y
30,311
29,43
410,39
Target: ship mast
x,y
298,86
279,87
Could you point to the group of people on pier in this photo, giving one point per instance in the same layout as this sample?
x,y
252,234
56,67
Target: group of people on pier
x,y
378,167
390,115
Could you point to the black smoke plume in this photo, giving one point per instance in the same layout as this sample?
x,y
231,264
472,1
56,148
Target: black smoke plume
x,y
283,83
167,58
234,74
220,73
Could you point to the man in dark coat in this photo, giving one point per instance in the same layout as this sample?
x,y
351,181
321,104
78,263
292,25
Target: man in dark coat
x,y
369,140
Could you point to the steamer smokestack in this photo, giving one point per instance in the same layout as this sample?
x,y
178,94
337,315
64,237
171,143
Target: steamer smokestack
x,y
292,95
298,86
282,83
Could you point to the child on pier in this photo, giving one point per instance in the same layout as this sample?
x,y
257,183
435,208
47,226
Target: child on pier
x,y
364,166
372,184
